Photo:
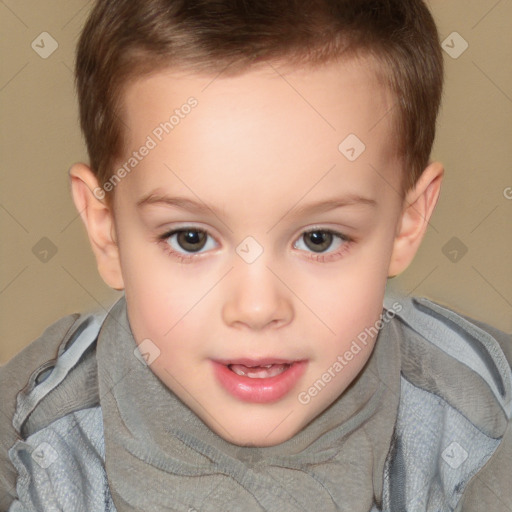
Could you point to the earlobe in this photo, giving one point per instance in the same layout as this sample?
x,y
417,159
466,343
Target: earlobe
x,y
99,222
419,205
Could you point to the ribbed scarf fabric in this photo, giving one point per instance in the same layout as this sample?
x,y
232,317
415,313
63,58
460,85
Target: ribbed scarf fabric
x,y
159,456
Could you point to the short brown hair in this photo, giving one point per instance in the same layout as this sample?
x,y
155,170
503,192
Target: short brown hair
x,y
125,39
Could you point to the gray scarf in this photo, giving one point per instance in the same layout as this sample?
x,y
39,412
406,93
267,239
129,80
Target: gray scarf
x,y
161,457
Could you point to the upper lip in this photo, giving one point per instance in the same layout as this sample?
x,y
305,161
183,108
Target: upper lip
x,y
255,362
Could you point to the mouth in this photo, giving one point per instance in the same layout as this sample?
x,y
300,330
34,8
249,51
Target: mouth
x,y
259,380
259,371
258,368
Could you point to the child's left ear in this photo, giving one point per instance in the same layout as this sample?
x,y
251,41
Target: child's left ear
x,y
419,204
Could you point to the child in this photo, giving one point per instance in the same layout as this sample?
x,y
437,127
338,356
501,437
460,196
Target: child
x,y
257,171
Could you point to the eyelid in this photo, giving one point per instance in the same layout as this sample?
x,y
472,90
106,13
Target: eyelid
x,y
325,257
325,229
183,226
185,257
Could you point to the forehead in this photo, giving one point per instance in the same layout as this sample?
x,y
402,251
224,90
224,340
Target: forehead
x,y
325,93
264,122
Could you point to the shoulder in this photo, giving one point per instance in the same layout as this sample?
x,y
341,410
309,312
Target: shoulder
x,y
47,388
427,315
457,359
455,409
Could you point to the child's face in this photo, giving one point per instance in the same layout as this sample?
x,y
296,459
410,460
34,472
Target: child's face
x,y
250,169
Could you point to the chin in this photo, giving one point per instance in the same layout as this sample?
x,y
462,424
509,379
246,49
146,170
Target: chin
x,y
255,437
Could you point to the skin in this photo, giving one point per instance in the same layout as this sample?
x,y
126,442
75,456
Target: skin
x,y
258,149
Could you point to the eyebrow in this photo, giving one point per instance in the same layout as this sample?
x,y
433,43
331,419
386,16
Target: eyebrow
x,y
176,202
192,205
332,204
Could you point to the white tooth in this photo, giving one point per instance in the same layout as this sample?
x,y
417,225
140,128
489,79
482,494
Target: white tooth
x,y
238,371
259,372
264,372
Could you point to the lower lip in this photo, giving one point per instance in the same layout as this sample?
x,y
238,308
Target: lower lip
x,y
269,389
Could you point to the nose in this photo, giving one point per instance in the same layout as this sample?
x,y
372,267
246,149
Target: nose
x,y
256,299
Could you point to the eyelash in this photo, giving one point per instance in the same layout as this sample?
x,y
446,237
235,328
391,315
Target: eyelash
x,y
181,257
317,257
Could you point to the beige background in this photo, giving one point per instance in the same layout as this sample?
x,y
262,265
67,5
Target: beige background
x,y
40,139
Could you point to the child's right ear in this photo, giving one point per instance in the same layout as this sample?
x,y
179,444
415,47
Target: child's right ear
x,y
99,222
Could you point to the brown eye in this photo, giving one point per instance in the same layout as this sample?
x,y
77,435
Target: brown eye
x,y
318,241
191,240
188,242
321,241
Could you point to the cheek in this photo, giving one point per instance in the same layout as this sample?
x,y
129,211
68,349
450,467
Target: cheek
x,y
167,305
349,317
158,305
356,285
156,297
348,299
